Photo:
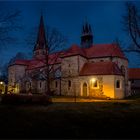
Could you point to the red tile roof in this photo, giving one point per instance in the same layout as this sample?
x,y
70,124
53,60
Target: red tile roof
x,y
104,50
74,50
55,58
21,62
100,68
33,64
95,51
36,63
134,73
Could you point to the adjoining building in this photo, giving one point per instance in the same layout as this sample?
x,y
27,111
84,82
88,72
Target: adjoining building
x,y
134,78
88,69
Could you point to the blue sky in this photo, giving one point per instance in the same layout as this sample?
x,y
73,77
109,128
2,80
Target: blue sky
x,y
68,17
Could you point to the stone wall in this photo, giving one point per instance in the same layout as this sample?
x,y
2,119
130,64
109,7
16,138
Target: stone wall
x,y
15,73
81,62
69,66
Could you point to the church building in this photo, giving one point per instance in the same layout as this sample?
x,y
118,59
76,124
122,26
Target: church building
x,y
86,70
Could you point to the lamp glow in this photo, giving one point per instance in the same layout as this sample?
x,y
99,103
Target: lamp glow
x,y
93,80
1,83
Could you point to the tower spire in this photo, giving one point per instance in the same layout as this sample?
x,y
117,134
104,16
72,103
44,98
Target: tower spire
x,y
41,38
40,46
86,37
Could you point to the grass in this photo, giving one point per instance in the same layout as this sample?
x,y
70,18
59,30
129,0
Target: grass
x,y
112,119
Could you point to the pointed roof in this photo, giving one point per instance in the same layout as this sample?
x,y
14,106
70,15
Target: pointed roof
x,y
86,29
41,38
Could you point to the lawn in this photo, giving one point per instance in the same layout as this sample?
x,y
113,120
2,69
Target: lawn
x,y
107,119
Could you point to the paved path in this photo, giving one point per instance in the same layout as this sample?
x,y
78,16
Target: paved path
x,y
71,99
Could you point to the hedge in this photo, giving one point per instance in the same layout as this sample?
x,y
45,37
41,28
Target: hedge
x,y
25,99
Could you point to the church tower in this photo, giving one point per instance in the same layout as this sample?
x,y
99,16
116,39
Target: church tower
x,y
41,43
86,37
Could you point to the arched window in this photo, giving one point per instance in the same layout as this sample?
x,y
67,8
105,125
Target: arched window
x,y
118,84
69,84
56,84
85,89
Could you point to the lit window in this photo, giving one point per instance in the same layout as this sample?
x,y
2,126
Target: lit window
x,y
118,84
94,83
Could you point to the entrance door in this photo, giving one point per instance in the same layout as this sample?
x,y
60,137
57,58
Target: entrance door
x,y
84,89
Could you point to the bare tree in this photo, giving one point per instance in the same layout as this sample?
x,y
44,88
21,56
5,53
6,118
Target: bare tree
x,y
9,23
19,55
55,43
131,23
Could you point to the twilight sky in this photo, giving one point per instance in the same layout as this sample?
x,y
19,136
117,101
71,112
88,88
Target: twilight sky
x,y
68,17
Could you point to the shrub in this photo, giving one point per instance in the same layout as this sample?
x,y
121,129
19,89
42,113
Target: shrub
x,y
25,99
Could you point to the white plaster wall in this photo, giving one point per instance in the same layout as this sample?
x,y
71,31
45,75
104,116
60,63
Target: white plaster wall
x,y
119,92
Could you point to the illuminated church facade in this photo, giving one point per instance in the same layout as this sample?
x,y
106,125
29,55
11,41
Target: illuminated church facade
x,y
87,70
